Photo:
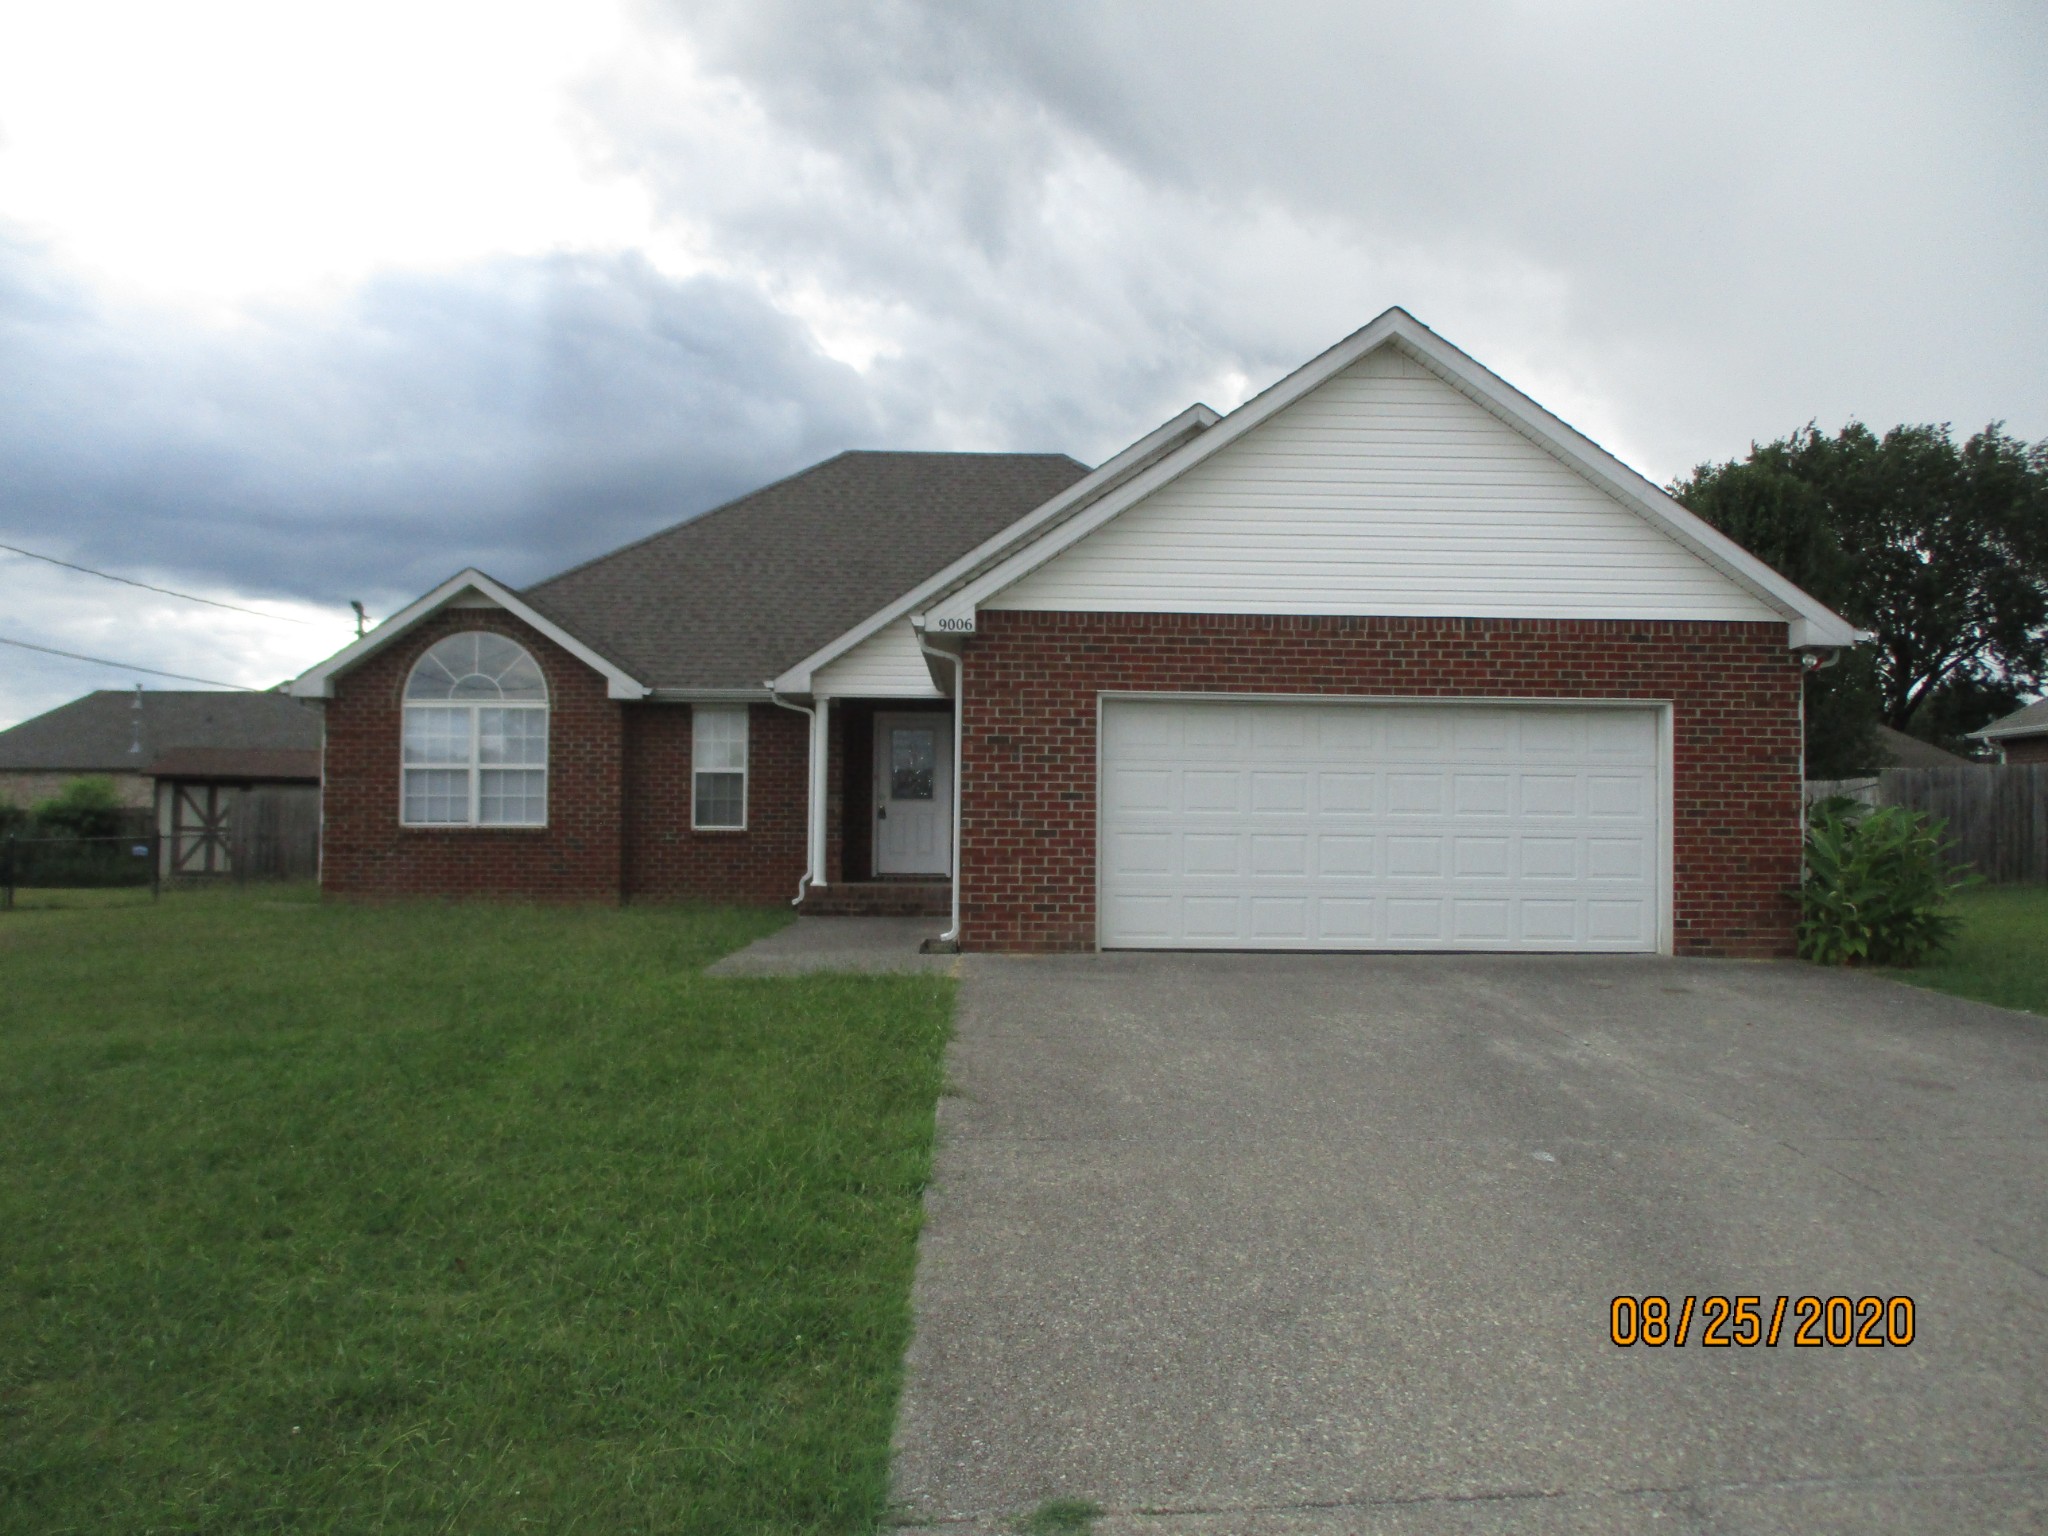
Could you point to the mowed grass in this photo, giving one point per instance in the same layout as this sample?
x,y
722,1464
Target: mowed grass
x,y
2001,955
448,1218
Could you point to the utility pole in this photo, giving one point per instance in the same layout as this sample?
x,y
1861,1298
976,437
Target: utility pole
x,y
362,618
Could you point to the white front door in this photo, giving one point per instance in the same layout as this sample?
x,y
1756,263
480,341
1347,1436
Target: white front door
x,y
913,794
1337,825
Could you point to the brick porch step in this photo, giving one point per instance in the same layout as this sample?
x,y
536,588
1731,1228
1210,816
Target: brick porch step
x,y
881,898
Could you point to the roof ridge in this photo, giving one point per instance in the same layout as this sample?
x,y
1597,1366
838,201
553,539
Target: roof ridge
x,y
789,479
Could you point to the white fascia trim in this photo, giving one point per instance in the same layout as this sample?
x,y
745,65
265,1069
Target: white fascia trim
x,y
1809,623
761,695
318,682
1195,419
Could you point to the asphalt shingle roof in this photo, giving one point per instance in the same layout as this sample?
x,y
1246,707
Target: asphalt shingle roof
x,y
2029,720
730,598
256,735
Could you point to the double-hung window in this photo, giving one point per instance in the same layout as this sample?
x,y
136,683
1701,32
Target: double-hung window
x,y
718,777
476,736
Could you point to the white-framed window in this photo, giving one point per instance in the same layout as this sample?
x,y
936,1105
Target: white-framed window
x,y
718,767
476,736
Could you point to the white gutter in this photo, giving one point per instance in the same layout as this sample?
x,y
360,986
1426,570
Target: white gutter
x,y
814,810
952,935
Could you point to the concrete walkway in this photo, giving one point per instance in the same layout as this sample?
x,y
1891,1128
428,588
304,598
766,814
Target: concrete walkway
x,y
840,944
1252,1244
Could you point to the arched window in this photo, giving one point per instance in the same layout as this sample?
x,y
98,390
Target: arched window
x,y
476,736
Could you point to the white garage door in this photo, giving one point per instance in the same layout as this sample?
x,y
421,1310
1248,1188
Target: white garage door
x,y
1261,825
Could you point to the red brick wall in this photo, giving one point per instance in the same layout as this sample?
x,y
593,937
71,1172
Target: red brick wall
x,y
1028,854
2026,749
665,859
364,850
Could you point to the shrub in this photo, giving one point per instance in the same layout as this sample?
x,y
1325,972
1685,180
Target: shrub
x,y
1877,886
82,808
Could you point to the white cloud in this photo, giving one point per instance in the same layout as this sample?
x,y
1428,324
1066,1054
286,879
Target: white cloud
x,y
75,612
231,148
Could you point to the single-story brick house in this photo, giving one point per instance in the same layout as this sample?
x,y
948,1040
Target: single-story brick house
x,y
2020,737
202,758
1387,658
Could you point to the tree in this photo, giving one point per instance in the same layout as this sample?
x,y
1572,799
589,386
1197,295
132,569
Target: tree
x,y
1941,550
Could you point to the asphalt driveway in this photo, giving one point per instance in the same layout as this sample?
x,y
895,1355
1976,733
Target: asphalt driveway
x,y
1315,1243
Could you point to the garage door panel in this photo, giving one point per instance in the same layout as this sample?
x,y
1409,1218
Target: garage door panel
x,y
1480,794
1415,920
1210,790
1415,794
1345,921
1341,856
1143,853
1212,853
1410,858
1282,792
1548,794
1549,922
1211,917
1346,794
1549,858
1480,921
1480,858
1617,922
1273,825
1279,917
1141,789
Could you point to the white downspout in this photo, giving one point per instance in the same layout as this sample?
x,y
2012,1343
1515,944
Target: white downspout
x,y
814,809
952,935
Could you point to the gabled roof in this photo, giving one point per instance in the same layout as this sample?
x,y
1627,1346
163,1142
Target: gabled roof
x,y
192,732
2029,720
733,597
1809,622
1911,752
716,605
466,586
1077,496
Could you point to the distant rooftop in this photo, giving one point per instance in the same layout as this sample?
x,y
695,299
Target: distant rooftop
x,y
176,732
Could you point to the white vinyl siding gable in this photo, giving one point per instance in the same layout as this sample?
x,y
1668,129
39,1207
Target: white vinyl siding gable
x,y
886,665
1384,491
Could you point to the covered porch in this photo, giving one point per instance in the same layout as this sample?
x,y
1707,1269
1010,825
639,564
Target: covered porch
x,y
883,800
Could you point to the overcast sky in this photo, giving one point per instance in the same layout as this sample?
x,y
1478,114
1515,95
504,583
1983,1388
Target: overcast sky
x,y
312,302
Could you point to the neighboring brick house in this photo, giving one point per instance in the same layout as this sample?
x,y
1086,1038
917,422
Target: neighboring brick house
x,y
195,756
1387,658
2020,737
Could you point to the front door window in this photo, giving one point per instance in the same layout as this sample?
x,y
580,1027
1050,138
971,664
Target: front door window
x,y
913,761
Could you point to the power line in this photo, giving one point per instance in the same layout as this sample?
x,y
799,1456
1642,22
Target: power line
x,y
122,666
130,581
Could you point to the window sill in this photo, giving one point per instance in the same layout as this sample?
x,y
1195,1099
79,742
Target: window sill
x,y
471,826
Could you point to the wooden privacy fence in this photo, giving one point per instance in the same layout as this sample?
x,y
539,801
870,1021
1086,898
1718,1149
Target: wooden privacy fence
x,y
1997,815
274,833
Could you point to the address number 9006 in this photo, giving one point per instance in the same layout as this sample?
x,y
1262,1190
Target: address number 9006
x,y
954,626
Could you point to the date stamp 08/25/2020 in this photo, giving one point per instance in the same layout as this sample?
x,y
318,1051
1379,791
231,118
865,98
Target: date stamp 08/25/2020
x,y
1744,1322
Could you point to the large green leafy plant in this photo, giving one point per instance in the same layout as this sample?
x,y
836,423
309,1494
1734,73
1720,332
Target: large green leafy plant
x,y
1878,886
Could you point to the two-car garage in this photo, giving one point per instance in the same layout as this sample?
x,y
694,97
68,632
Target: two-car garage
x,y
1246,823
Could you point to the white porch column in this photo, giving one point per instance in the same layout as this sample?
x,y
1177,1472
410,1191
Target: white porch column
x,y
821,775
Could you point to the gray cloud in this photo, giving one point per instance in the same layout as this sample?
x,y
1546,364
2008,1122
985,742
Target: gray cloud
x,y
518,416
1718,221
1683,228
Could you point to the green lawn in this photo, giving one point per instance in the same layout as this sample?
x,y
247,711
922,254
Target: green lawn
x,y
2001,956
448,1218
